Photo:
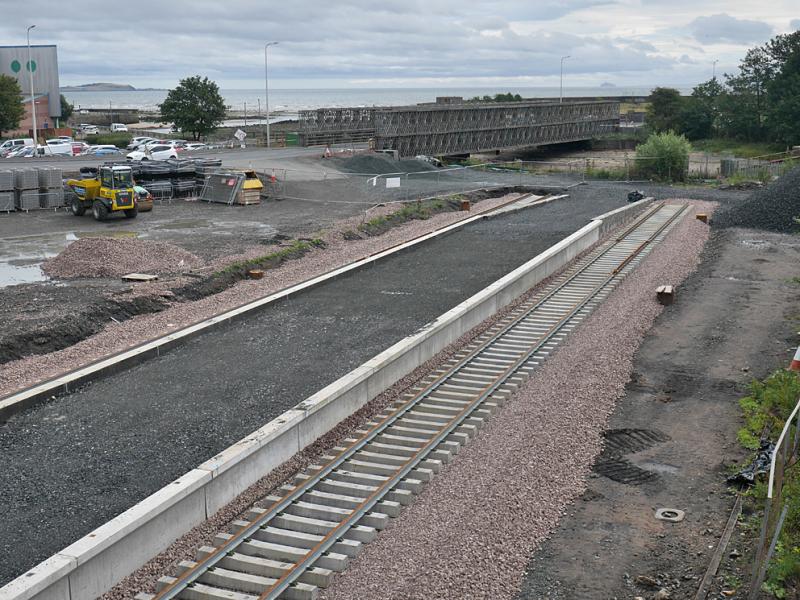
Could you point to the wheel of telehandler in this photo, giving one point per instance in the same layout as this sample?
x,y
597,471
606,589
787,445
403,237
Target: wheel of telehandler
x,y
131,213
99,211
76,206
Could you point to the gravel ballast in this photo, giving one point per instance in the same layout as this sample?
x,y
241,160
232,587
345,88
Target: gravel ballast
x,y
471,531
113,257
774,208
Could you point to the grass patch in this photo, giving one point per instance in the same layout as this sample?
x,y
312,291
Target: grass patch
x,y
766,409
120,140
737,148
420,210
295,250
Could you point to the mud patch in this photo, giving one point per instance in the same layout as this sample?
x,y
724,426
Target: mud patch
x,y
618,443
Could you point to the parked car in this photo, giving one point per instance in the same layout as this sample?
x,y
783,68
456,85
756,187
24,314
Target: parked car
x,y
21,152
115,127
102,150
89,129
140,141
144,199
195,146
158,152
64,138
56,146
79,148
178,144
10,145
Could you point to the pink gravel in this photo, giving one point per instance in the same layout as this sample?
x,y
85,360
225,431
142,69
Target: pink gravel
x,y
117,337
113,257
472,530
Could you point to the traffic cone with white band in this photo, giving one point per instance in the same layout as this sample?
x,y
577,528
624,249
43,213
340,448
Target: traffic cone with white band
x,y
795,366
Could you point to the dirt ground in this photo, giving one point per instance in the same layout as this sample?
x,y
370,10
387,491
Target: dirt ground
x,y
672,440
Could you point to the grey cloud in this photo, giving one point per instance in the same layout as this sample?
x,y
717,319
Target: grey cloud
x,y
725,28
158,41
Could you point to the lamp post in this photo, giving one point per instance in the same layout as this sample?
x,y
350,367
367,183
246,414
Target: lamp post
x,y
561,85
266,84
33,98
714,69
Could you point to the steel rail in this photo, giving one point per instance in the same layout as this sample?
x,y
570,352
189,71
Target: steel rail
x,y
192,575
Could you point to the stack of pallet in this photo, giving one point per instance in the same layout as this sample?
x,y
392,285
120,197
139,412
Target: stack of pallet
x,y
51,189
26,184
6,191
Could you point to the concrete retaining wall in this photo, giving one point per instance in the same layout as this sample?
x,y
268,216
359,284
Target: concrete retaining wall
x,y
97,561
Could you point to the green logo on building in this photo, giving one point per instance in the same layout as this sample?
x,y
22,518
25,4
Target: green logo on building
x,y
32,66
15,66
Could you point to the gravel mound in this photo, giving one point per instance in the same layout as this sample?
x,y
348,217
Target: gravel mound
x,y
377,164
773,208
112,257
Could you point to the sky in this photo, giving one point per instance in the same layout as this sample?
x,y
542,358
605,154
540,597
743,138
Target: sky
x,y
397,43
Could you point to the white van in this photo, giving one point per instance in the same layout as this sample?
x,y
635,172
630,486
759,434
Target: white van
x,y
10,145
118,127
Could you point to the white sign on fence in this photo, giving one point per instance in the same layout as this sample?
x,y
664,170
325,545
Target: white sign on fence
x,y
392,182
240,135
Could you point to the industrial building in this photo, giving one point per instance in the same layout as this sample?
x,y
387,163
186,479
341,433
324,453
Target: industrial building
x,y
44,66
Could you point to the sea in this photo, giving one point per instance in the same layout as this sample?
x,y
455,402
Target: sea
x,y
289,101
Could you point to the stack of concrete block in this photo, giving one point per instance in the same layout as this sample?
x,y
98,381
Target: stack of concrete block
x,y
51,189
6,191
26,183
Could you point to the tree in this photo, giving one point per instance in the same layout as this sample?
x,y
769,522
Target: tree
x,y
664,156
664,109
11,107
66,109
783,116
195,106
699,115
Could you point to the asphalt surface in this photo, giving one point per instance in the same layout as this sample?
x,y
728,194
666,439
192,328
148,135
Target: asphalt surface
x,y
72,464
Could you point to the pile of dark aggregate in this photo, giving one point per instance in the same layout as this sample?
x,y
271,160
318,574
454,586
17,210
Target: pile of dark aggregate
x,y
774,208
377,164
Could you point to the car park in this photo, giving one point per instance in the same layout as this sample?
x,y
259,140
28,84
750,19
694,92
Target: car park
x,y
157,152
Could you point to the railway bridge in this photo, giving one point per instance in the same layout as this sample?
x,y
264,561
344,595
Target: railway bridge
x,y
445,128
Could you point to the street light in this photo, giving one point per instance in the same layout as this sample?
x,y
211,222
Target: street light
x,y
561,86
33,99
266,83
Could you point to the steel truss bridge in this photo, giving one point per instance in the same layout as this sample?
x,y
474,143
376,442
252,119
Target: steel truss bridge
x,y
444,129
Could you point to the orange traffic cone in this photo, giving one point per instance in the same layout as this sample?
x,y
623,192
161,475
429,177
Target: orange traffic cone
x,y
795,366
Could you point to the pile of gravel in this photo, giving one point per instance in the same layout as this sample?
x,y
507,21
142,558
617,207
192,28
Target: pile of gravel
x,y
112,257
375,164
774,207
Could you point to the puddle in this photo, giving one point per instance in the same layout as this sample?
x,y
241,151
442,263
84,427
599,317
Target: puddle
x,y
193,224
658,467
756,243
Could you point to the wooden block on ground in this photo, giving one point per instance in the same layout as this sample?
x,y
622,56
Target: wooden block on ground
x,y
139,277
665,294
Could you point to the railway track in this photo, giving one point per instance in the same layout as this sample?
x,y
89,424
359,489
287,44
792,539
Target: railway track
x,y
311,531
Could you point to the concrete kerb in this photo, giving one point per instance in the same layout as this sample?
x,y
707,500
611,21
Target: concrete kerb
x,y
96,562
125,359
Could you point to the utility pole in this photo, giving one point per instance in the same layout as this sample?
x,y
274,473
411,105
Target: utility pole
x,y
33,97
266,84
561,85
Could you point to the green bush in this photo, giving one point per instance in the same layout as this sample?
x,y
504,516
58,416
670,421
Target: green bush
x,y
120,140
664,156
